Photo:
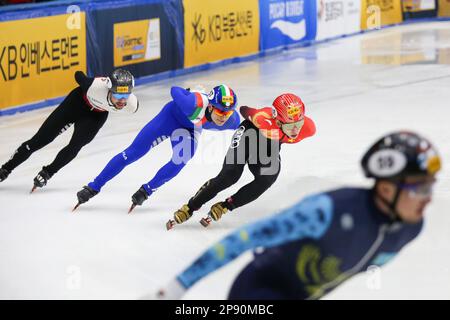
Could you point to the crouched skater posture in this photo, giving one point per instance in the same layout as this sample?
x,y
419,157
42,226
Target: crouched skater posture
x,y
257,144
309,249
181,121
86,108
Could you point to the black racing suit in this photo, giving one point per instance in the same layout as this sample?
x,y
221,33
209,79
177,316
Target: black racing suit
x,y
250,147
73,110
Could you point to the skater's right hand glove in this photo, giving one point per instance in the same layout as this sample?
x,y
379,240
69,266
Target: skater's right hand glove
x,y
174,290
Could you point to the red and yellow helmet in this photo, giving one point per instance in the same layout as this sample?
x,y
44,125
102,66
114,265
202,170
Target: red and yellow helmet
x,y
289,108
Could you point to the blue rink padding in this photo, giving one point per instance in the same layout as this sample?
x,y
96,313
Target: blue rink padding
x,y
23,11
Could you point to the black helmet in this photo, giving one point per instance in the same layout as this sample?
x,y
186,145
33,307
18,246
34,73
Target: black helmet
x,y
400,154
121,82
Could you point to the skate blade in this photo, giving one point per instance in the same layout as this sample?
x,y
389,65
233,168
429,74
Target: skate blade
x,y
170,224
76,207
205,221
131,208
33,189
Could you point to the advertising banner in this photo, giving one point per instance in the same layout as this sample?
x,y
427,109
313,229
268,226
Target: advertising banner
x,y
285,22
38,57
378,13
141,38
218,30
136,41
337,17
444,8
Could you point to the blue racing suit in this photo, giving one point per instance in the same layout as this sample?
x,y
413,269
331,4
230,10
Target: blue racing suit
x,y
309,248
181,120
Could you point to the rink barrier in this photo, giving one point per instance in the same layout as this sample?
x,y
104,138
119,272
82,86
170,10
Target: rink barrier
x,y
208,66
151,26
413,9
205,66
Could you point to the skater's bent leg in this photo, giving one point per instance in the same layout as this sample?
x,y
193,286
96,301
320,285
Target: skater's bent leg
x,y
118,163
232,169
254,189
153,133
84,132
54,125
184,146
228,176
165,174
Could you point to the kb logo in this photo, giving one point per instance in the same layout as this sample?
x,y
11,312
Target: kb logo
x,y
199,35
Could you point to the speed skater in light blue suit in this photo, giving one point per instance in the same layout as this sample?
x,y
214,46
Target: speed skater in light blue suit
x,y
309,249
182,121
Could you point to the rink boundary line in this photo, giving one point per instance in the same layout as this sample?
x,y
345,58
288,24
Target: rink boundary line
x,y
214,65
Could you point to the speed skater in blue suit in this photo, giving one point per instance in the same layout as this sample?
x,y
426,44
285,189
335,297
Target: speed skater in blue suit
x,y
180,120
310,248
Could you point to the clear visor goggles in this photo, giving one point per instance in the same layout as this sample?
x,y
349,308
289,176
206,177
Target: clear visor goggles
x,y
288,127
120,96
418,189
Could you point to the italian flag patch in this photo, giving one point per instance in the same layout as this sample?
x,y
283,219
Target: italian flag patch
x,y
201,102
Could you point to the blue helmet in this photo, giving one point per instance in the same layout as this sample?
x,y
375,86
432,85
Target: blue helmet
x,y
223,98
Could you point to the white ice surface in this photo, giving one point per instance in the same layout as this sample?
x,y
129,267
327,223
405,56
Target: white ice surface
x,y
46,252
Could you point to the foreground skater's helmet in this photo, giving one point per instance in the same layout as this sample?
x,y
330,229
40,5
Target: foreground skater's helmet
x,y
400,154
121,83
223,98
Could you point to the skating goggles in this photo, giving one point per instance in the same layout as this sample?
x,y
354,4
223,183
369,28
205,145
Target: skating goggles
x,y
221,113
287,127
418,190
120,96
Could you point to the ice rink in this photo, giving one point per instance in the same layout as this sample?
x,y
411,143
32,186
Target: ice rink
x,y
355,89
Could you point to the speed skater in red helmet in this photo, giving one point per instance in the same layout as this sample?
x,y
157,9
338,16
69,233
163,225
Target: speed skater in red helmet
x,y
284,121
255,143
